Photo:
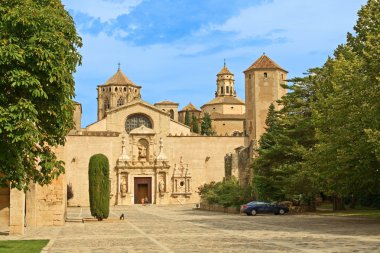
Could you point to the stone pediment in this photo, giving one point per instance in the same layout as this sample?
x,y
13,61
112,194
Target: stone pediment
x,y
139,102
142,130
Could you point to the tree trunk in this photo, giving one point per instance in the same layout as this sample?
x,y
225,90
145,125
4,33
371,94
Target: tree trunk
x,y
338,203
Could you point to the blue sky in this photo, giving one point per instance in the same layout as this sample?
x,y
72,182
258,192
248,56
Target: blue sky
x,y
175,48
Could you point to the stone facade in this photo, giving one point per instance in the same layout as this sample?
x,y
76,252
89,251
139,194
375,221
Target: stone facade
x,y
153,156
117,91
45,205
263,81
227,110
169,107
193,111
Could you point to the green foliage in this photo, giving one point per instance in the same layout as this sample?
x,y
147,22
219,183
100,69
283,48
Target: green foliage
x,y
38,56
187,119
279,170
99,188
226,193
206,128
347,112
194,125
326,137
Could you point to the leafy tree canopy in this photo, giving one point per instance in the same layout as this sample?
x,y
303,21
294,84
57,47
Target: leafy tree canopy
x,y
38,56
347,111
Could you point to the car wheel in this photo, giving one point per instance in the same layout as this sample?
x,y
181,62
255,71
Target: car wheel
x,y
281,211
253,212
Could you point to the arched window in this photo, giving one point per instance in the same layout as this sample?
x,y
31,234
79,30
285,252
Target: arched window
x,y
120,101
137,120
227,89
265,75
171,113
106,104
221,90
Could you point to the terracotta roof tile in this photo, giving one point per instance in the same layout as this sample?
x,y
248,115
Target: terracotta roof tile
x,y
225,100
190,107
166,102
119,79
225,71
264,62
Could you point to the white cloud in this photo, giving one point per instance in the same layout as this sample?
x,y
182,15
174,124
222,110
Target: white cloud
x,y
299,23
105,10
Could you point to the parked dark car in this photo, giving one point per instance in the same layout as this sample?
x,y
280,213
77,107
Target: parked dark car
x,y
255,207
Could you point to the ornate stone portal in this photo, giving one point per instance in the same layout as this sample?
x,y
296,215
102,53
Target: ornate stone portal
x,y
181,180
142,176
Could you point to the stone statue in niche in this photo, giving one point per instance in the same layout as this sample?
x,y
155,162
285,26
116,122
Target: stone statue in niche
x,y
161,186
142,152
123,186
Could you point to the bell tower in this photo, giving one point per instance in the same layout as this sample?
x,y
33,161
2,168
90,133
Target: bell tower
x,y
225,82
263,81
117,91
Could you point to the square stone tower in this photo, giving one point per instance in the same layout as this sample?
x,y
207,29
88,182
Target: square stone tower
x,y
263,81
117,91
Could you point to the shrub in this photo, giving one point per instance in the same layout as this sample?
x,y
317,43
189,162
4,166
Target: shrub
x,y
98,175
226,193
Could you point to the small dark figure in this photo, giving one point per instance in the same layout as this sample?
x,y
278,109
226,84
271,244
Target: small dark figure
x,y
122,216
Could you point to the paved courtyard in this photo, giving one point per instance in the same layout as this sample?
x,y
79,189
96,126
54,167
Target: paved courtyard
x,y
184,229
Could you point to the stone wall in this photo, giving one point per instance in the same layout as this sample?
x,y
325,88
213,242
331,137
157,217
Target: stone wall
x,y
17,212
228,126
204,153
46,205
238,164
77,153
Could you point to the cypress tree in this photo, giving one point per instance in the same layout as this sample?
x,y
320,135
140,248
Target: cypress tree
x,y
194,125
206,125
98,175
187,119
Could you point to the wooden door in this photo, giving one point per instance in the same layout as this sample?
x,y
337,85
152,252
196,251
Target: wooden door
x,y
143,189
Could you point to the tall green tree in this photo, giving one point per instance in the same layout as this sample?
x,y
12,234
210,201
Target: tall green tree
x,y
206,128
279,170
38,56
187,119
99,188
194,125
347,113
